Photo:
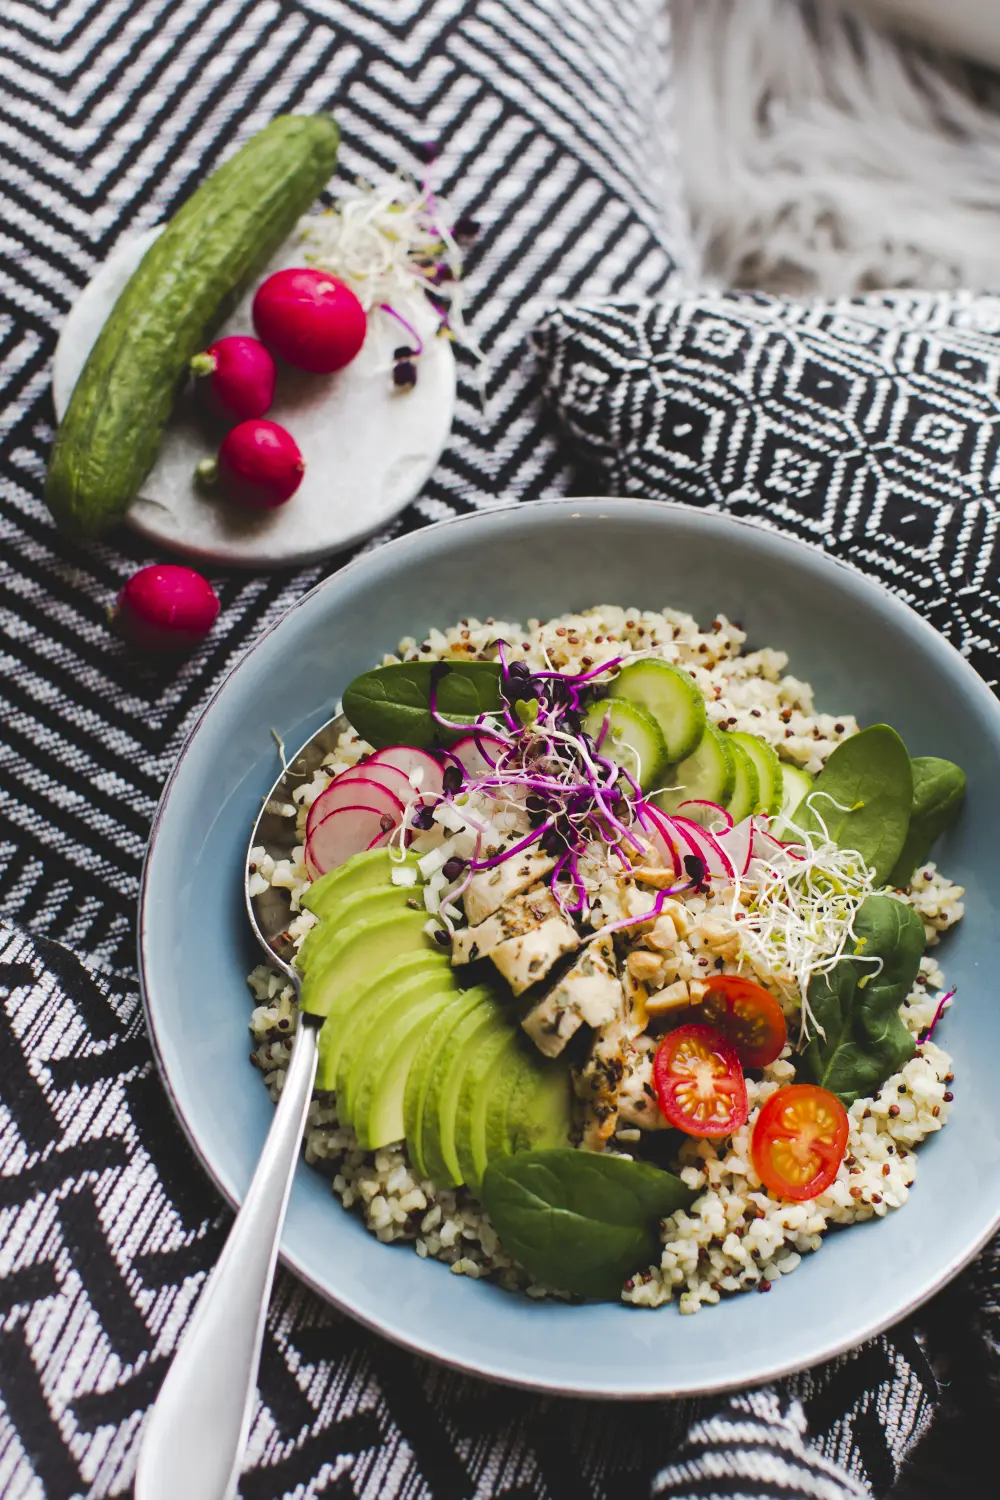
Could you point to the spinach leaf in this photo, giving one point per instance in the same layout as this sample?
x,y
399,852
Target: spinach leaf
x,y
938,793
392,705
858,1008
863,796
578,1221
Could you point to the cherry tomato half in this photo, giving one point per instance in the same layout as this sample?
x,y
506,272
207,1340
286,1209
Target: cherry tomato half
x,y
799,1140
748,1016
699,1081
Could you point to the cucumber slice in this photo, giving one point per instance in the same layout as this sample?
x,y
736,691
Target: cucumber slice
x,y
633,740
745,794
796,784
671,697
769,773
708,775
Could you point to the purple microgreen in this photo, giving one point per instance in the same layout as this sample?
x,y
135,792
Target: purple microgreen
x,y
928,1031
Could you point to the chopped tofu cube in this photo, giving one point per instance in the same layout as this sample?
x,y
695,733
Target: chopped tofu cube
x,y
590,991
487,891
525,959
518,916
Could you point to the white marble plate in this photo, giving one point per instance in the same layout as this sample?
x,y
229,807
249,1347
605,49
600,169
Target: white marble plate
x,y
368,448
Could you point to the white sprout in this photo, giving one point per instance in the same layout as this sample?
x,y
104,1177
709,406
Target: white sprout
x,y
389,241
797,909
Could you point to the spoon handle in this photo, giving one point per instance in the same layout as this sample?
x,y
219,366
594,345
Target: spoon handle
x,y
195,1436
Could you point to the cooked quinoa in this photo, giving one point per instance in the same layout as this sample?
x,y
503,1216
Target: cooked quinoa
x,y
735,1236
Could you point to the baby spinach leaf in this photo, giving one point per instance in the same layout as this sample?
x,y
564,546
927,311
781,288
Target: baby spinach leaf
x,y
392,705
938,793
578,1221
858,1008
862,796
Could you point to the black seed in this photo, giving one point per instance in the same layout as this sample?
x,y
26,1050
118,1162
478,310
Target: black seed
x,y
404,374
452,780
386,822
441,936
403,352
465,228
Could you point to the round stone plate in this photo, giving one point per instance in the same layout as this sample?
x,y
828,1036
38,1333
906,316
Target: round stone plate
x,y
368,448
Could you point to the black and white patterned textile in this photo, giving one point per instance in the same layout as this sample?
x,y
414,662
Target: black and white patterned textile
x,y
107,1227
543,121
869,426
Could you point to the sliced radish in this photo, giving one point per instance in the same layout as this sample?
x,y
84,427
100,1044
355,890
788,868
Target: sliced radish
x,y
738,842
478,753
406,759
662,839
346,831
705,845
388,778
356,791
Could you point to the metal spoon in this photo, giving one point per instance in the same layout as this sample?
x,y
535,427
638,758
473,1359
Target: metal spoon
x,y
192,1448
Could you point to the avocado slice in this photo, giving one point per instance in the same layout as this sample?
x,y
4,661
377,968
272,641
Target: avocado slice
x,y
368,992
377,1086
515,1072
357,950
540,1110
390,1003
434,1041
479,1085
437,1126
378,900
359,873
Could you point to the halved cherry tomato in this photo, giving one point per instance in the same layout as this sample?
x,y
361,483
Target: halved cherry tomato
x,y
748,1016
699,1081
799,1140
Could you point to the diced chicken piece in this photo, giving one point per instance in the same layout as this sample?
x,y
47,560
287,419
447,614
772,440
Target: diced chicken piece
x,y
599,1083
487,891
589,992
637,1102
526,959
518,916
600,1080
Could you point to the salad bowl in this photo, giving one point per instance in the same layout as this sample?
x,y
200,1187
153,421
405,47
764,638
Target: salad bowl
x,y
859,646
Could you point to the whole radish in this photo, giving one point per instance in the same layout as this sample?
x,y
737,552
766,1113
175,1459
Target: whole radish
x,y
309,319
259,465
166,607
237,375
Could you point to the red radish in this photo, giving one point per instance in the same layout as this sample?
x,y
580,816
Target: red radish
x,y
310,319
346,791
476,751
663,840
166,607
407,760
390,777
705,846
347,831
259,465
237,375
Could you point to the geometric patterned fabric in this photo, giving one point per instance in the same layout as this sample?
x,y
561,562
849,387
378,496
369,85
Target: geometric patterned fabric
x,y
869,426
543,121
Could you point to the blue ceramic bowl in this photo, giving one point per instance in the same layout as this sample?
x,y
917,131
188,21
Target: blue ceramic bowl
x,y
864,652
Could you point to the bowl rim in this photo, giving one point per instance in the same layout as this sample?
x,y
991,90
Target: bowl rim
x,y
590,506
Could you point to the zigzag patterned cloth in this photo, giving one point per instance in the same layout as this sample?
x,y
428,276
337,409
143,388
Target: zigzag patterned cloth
x,y
544,118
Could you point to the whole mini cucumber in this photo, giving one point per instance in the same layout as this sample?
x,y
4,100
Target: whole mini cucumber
x,y
184,285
